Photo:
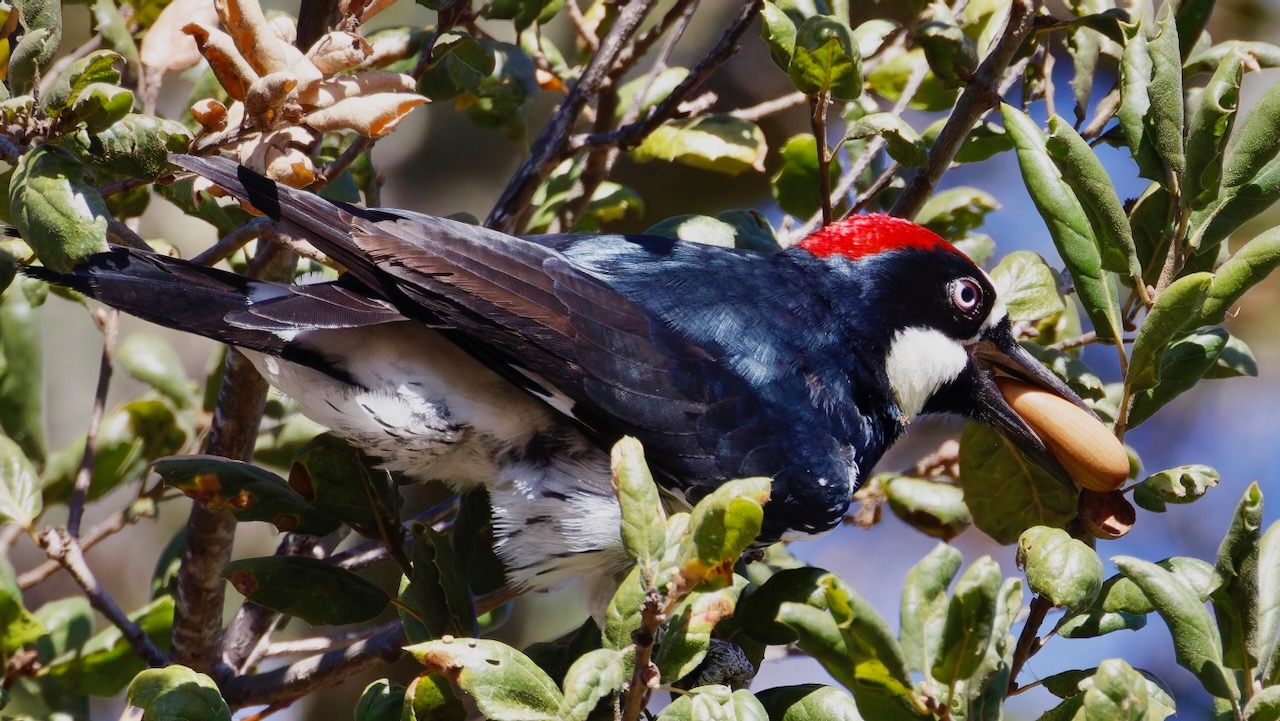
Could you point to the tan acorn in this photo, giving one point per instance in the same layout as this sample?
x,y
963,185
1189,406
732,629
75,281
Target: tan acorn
x,y
1084,447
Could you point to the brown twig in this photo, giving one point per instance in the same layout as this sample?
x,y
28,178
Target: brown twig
x,y
548,149
585,33
1028,641
818,124
678,13
976,100
233,241
769,107
108,321
197,621
110,526
636,692
632,134
286,684
63,548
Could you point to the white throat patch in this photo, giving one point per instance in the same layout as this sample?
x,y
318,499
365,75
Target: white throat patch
x,y
920,362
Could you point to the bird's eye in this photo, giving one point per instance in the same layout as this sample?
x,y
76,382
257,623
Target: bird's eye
x,y
966,295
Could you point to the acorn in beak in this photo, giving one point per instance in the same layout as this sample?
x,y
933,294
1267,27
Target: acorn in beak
x,y
1046,420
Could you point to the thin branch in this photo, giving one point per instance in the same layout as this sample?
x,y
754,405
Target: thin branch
x,y
111,525
769,107
636,692
296,680
108,321
197,621
632,134
233,241
321,644
678,13
976,100
1028,642
548,148
63,548
585,33
818,124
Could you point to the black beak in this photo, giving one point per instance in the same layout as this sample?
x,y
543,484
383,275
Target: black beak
x,y
998,351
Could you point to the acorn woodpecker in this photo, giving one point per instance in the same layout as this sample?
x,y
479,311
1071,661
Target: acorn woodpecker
x,y
454,352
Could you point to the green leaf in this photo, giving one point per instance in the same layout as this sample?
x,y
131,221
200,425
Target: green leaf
x,y
877,660
689,626
758,609
901,140
381,700
1085,50
1236,601
1173,310
623,614
338,479
1269,600
436,590
655,87
1235,360
721,528
1243,270
101,105
69,625
466,49
795,186
309,588
809,702
99,66
106,663
1091,623
721,143
1005,492
952,56
1028,286
1209,129
643,518
1264,706
1068,224
1092,186
598,674
1078,376
1118,693
247,492
503,682
177,692
1183,484
967,631
984,142
1122,595
924,605
1136,67
153,361
33,53
751,230
135,145
825,59
1059,567
889,79
17,626
22,367
57,211
1195,639
1187,360
954,212
1164,121
430,697
20,500
779,33
935,509
523,13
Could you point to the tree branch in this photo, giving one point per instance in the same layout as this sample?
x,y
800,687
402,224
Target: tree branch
x,y
632,134
245,640
548,148
977,99
108,321
197,621
64,549
291,682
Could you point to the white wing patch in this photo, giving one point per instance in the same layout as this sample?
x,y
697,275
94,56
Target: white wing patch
x,y
921,361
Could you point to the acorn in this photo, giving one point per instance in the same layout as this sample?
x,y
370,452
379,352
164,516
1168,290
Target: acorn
x,y
1085,448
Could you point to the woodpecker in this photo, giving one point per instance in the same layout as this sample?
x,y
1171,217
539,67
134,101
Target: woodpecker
x,y
454,352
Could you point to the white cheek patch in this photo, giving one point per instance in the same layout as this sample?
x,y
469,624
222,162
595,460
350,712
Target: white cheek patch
x,y
920,362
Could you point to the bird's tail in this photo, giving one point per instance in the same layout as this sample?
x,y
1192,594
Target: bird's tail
x,y
170,292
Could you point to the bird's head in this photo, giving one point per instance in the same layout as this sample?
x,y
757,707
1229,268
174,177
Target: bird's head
x,y
946,332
